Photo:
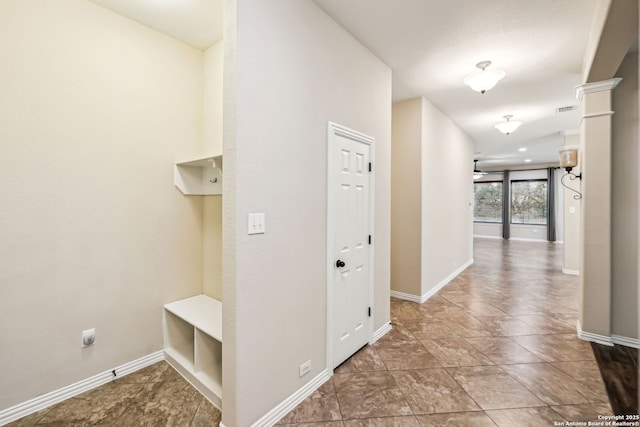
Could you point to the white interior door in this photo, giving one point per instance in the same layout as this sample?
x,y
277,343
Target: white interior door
x,y
349,250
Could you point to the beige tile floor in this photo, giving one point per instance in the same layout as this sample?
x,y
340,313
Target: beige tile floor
x,y
495,347
154,396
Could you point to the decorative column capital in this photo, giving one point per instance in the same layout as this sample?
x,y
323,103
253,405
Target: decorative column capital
x,y
596,87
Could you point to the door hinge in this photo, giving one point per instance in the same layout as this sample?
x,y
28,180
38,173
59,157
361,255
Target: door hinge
x,y
369,311
369,238
369,166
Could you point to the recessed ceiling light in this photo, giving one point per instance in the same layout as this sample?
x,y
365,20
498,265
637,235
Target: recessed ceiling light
x,y
527,160
522,149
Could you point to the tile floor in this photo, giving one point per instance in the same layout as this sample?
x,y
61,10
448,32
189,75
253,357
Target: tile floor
x,y
495,347
153,396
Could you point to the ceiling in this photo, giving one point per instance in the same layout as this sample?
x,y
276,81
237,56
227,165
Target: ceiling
x,y
195,22
431,45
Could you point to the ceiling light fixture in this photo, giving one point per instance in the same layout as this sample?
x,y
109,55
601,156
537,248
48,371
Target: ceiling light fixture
x,y
508,126
477,174
483,80
522,149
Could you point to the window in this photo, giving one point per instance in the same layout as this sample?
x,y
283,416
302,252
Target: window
x,y
487,205
529,202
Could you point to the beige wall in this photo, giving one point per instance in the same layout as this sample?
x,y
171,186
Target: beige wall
x,y
295,69
212,145
406,197
94,111
624,201
572,207
447,197
212,68
432,217
614,30
595,256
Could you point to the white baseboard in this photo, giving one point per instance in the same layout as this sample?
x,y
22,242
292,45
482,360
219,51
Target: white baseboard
x,y
432,291
381,332
588,336
605,340
626,341
526,239
292,401
57,396
480,236
406,297
572,272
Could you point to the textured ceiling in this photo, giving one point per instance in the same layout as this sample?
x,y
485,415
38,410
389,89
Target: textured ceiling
x,y
431,45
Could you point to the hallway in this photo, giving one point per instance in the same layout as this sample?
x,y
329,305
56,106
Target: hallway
x,y
496,346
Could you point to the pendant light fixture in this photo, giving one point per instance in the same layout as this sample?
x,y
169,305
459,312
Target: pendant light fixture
x,y
508,126
483,80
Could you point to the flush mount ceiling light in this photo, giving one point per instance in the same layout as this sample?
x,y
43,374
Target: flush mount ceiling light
x,y
483,80
508,126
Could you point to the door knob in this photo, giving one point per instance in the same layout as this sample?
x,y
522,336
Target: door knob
x,y
340,263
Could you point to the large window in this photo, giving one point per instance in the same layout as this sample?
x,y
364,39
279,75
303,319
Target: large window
x,y
529,202
487,202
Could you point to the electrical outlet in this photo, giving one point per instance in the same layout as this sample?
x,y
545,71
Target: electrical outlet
x,y
305,368
88,337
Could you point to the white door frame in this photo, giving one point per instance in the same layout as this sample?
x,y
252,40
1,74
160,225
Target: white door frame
x,y
333,130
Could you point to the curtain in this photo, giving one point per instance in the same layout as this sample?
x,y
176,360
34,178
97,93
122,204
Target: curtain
x,y
551,205
506,201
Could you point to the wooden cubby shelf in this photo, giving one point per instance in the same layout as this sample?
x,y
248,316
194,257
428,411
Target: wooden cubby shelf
x,y
193,343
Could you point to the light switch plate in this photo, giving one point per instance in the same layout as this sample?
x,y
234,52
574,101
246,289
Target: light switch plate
x,y
256,223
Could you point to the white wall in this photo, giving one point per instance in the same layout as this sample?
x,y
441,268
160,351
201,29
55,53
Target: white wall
x,y
482,229
294,70
447,197
94,111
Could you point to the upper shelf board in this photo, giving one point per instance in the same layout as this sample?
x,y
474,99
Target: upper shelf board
x,y
199,177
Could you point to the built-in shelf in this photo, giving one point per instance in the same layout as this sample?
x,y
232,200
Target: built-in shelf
x,y
193,343
199,177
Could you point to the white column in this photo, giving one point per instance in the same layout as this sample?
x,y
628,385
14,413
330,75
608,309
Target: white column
x,y
595,235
